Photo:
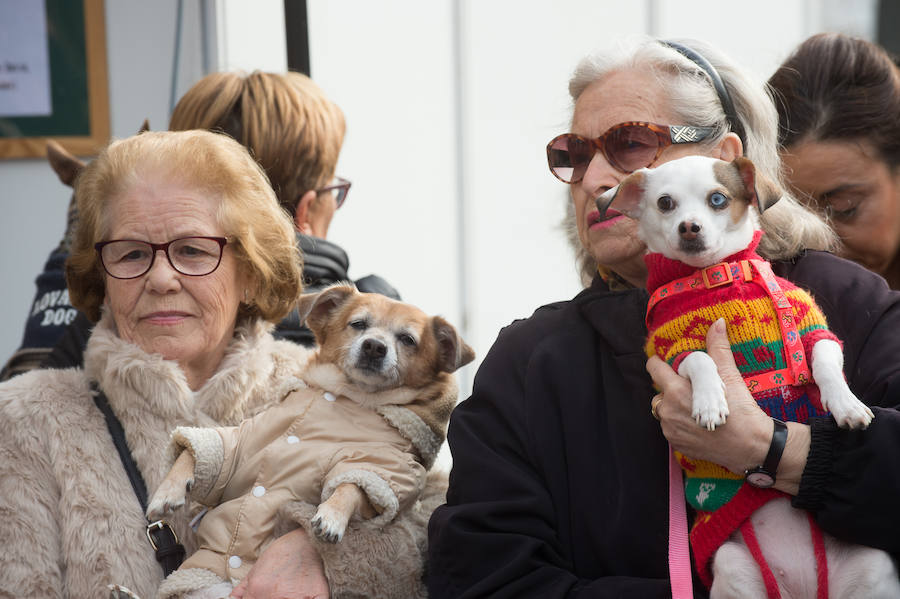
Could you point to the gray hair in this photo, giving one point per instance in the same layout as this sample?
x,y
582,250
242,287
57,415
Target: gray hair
x,y
790,227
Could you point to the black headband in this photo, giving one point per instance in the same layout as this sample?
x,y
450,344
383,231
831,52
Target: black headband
x,y
724,97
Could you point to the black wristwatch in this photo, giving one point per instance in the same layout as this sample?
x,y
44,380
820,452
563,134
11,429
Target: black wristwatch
x,y
764,476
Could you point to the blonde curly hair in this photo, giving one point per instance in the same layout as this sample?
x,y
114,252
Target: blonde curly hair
x,y
258,229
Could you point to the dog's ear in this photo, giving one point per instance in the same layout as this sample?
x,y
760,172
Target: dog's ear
x,y
65,165
145,126
761,192
453,352
627,196
316,308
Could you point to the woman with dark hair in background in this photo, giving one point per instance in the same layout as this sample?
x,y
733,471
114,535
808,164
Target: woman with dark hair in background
x,y
838,101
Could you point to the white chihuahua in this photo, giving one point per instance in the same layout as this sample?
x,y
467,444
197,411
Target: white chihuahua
x,y
698,217
698,211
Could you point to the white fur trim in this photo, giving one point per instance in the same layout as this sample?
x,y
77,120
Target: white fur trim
x,y
186,580
413,428
205,444
377,489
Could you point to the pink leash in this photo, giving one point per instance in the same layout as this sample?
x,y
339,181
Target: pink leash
x,y
679,552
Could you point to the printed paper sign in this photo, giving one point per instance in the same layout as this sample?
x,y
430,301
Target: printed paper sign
x,y
24,60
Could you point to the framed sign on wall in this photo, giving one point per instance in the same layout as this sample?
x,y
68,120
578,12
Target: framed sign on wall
x,y
53,77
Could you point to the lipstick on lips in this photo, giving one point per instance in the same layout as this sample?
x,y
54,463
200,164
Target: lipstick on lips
x,y
596,222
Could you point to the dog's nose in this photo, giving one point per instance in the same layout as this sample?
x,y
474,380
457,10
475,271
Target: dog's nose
x,y
372,348
688,230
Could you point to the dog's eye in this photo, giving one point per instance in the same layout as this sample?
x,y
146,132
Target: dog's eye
x,y
666,203
406,339
718,200
359,325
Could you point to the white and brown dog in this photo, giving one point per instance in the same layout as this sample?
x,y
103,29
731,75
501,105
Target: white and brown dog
x,y
357,438
698,217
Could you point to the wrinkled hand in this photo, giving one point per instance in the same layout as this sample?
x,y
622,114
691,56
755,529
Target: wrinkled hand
x,y
289,568
743,441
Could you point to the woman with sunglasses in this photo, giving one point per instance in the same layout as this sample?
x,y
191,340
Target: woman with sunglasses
x,y
560,471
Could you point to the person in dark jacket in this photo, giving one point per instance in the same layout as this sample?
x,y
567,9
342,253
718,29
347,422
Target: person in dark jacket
x,y
295,133
51,311
559,481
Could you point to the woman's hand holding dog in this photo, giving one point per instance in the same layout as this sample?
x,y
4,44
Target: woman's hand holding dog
x,y
288,568
743,441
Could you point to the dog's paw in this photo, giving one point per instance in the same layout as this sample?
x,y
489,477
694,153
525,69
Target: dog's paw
x,y
836,396
117,591
708,405
329,524
168,497
846,409
710,408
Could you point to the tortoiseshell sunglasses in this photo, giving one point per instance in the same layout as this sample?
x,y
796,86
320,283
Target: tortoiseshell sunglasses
x,y
626,146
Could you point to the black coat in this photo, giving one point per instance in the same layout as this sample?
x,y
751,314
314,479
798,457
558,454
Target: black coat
x,y
559,482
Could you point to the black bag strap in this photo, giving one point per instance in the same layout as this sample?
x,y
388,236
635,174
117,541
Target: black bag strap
x,y
169,552
118,437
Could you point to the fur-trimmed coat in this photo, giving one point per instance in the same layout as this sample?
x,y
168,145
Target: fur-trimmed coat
x,y
69,520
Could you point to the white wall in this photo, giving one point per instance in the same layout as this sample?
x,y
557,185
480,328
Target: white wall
x,y
249,35
449,105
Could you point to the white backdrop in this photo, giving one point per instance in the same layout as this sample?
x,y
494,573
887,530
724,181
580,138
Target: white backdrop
x,y
449,105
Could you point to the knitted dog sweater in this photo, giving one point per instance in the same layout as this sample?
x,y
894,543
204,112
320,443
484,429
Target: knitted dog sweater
x,y
678,325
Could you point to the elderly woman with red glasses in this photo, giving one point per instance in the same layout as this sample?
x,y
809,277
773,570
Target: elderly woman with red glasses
x,y
559,483
185,259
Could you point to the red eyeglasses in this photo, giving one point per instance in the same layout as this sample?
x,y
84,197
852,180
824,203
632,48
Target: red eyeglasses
x,y
133,258
626,146
340,187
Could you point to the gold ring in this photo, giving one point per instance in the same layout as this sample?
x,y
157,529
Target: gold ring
x,y
654,405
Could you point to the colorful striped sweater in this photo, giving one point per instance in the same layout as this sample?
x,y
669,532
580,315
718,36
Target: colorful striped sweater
x,y
677,325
